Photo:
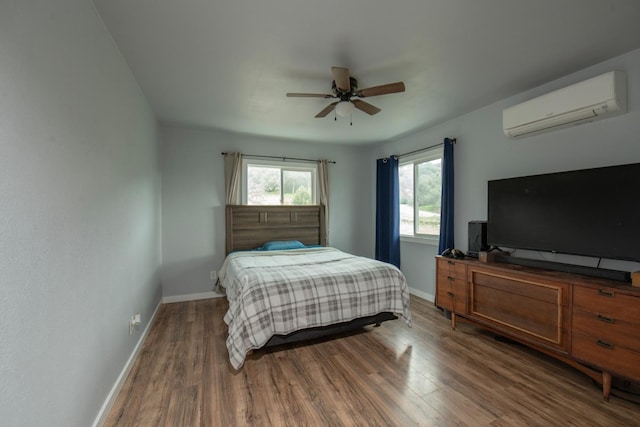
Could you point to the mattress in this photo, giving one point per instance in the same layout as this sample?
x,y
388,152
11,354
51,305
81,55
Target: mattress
x,y
279,292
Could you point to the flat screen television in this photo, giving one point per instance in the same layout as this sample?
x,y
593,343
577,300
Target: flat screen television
x,y
590,212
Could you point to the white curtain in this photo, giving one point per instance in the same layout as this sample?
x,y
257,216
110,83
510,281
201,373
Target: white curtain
x,y
323,181
233,177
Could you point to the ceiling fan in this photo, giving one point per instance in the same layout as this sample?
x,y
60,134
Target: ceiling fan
x,y
345,87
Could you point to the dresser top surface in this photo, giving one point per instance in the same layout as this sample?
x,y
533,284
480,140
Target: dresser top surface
x,y
571,278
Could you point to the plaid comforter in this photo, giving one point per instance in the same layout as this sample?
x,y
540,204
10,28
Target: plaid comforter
x,y
279,292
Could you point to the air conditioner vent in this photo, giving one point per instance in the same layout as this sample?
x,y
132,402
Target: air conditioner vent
x,y
589,100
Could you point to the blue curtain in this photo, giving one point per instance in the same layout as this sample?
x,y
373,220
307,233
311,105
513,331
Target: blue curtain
x,y
446,205
388,211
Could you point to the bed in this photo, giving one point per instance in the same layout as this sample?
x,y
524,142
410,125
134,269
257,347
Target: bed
x,y
295,288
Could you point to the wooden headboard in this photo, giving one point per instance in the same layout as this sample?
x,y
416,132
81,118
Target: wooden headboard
x,y
249,227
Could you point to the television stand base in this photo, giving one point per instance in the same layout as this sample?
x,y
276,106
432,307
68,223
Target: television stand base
x,y
602,273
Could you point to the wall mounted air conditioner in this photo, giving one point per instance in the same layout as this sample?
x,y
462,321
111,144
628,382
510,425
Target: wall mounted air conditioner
x,y
589,100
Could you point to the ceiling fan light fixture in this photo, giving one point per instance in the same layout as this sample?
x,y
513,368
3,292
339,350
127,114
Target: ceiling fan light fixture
x,y
344,108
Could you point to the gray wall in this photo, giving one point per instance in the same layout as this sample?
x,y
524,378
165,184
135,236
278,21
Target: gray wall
x,y
193,199
79,213
484,153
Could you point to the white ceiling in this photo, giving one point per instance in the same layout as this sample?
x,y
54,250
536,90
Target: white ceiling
x,y
228,64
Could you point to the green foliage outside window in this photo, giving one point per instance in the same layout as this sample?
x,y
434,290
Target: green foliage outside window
x,y
274,185
302,196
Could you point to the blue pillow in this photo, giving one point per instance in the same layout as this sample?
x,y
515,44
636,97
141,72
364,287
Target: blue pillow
x,y
279,245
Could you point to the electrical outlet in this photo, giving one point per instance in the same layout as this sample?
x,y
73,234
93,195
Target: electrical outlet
x,y
134,323
213,275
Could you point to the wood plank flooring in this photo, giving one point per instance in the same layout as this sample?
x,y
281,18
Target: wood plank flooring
x,y
392,375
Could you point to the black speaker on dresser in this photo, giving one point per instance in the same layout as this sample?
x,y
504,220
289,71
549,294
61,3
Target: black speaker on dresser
x,y
477,238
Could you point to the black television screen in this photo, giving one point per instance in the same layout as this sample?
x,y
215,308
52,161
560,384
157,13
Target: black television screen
x,y
590,212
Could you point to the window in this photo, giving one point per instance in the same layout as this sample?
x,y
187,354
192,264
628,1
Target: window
x,y
420,194
278,183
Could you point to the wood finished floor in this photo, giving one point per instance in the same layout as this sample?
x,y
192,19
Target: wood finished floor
x,y
387,376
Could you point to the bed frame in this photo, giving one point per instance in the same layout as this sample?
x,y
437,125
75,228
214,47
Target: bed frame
x,y
249,227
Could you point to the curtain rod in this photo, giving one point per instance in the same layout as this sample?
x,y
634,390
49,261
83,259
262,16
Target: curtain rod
x,y
284,159
424,149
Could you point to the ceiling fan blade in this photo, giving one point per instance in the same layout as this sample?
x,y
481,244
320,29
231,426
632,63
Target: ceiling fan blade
x,y
309,95
329,108
381,90
366,107
342,78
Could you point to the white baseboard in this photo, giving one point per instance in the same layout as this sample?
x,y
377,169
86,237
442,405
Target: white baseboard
x,y
190,297
422,294
115,390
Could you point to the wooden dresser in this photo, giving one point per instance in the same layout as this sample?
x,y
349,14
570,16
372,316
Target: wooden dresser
x,y
591,324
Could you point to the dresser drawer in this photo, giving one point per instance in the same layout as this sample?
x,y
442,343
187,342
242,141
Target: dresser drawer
x,y
537,311
451,288
601,353
608,302
452,268
452,295
610,328
448,281
443,298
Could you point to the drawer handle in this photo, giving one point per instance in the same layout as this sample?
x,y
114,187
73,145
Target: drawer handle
x,y
451,294
450,262
451,278
606,319
606,293
605,344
